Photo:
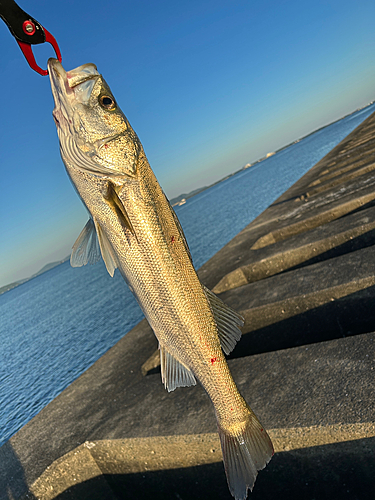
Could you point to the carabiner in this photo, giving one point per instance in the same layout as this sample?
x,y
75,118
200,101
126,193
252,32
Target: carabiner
x,y
28,52
27,31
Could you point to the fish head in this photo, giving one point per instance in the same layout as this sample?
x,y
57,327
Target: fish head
x,y
94,134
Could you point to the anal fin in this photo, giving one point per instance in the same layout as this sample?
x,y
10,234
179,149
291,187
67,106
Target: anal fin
x,y
173,373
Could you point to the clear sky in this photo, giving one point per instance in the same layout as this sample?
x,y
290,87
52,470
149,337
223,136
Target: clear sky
x,y
208,85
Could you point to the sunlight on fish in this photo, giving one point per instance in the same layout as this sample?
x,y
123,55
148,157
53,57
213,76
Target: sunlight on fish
x,y
134,228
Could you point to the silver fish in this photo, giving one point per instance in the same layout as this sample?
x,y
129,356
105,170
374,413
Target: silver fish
x,y
134,228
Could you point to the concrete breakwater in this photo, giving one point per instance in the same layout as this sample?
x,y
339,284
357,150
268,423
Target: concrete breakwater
x,y
303,276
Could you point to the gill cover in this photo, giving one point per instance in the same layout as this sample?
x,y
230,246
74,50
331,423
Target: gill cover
x,y
94,134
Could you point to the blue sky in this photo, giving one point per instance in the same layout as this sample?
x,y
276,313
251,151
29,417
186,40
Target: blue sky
x,y
207,85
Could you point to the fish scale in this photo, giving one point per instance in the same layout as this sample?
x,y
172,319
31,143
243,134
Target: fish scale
x,y
136,230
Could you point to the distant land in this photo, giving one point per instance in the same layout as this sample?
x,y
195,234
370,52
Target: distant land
x,y
44,269
181,199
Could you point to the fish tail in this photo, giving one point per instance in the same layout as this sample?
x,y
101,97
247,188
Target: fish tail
x,y
246,448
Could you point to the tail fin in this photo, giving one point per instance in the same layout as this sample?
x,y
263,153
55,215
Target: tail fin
x,y
245,451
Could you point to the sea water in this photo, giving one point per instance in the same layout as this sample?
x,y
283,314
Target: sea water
x,y
53,327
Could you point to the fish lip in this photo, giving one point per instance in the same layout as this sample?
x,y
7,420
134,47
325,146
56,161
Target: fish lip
x,y
61,94
55,64
59,83
57,75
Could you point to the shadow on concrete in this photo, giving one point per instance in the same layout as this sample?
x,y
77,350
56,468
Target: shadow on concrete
x,y
330,472
365,240
13,483
369,204
348,316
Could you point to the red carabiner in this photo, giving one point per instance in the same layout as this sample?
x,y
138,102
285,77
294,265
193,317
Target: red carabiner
x,y
28,52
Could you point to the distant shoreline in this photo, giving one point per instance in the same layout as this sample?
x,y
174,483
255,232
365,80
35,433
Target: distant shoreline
x,y
185,196
44,269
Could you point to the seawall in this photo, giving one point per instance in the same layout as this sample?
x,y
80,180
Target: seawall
x,y
303,276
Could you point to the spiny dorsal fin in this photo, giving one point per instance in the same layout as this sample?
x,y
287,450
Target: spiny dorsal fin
x,y
106,249
227,320
86,249
173,373
113,200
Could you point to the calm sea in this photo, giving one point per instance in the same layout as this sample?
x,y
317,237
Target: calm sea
x,y
55,326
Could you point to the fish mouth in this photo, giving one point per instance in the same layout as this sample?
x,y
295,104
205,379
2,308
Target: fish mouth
x,y
69,87
70,79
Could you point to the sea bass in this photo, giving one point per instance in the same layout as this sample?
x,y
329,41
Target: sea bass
x,y
135,229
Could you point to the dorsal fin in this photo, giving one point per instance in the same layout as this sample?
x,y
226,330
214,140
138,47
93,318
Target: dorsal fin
x,y
86,249
173,373
227,320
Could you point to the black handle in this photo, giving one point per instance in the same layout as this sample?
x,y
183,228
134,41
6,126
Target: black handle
x,y
22,26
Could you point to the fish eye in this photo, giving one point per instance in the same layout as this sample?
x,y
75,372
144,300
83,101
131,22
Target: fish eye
x,y
107,102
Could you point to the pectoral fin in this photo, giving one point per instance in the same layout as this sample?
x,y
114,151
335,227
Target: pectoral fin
x,y
227,320
90,243
173,373
86,249
113,200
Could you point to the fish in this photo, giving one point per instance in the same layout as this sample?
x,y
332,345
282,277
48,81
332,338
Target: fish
x,y
133,227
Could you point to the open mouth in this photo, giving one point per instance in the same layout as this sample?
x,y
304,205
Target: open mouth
x,y
77,83
82,81
81,74
69,88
